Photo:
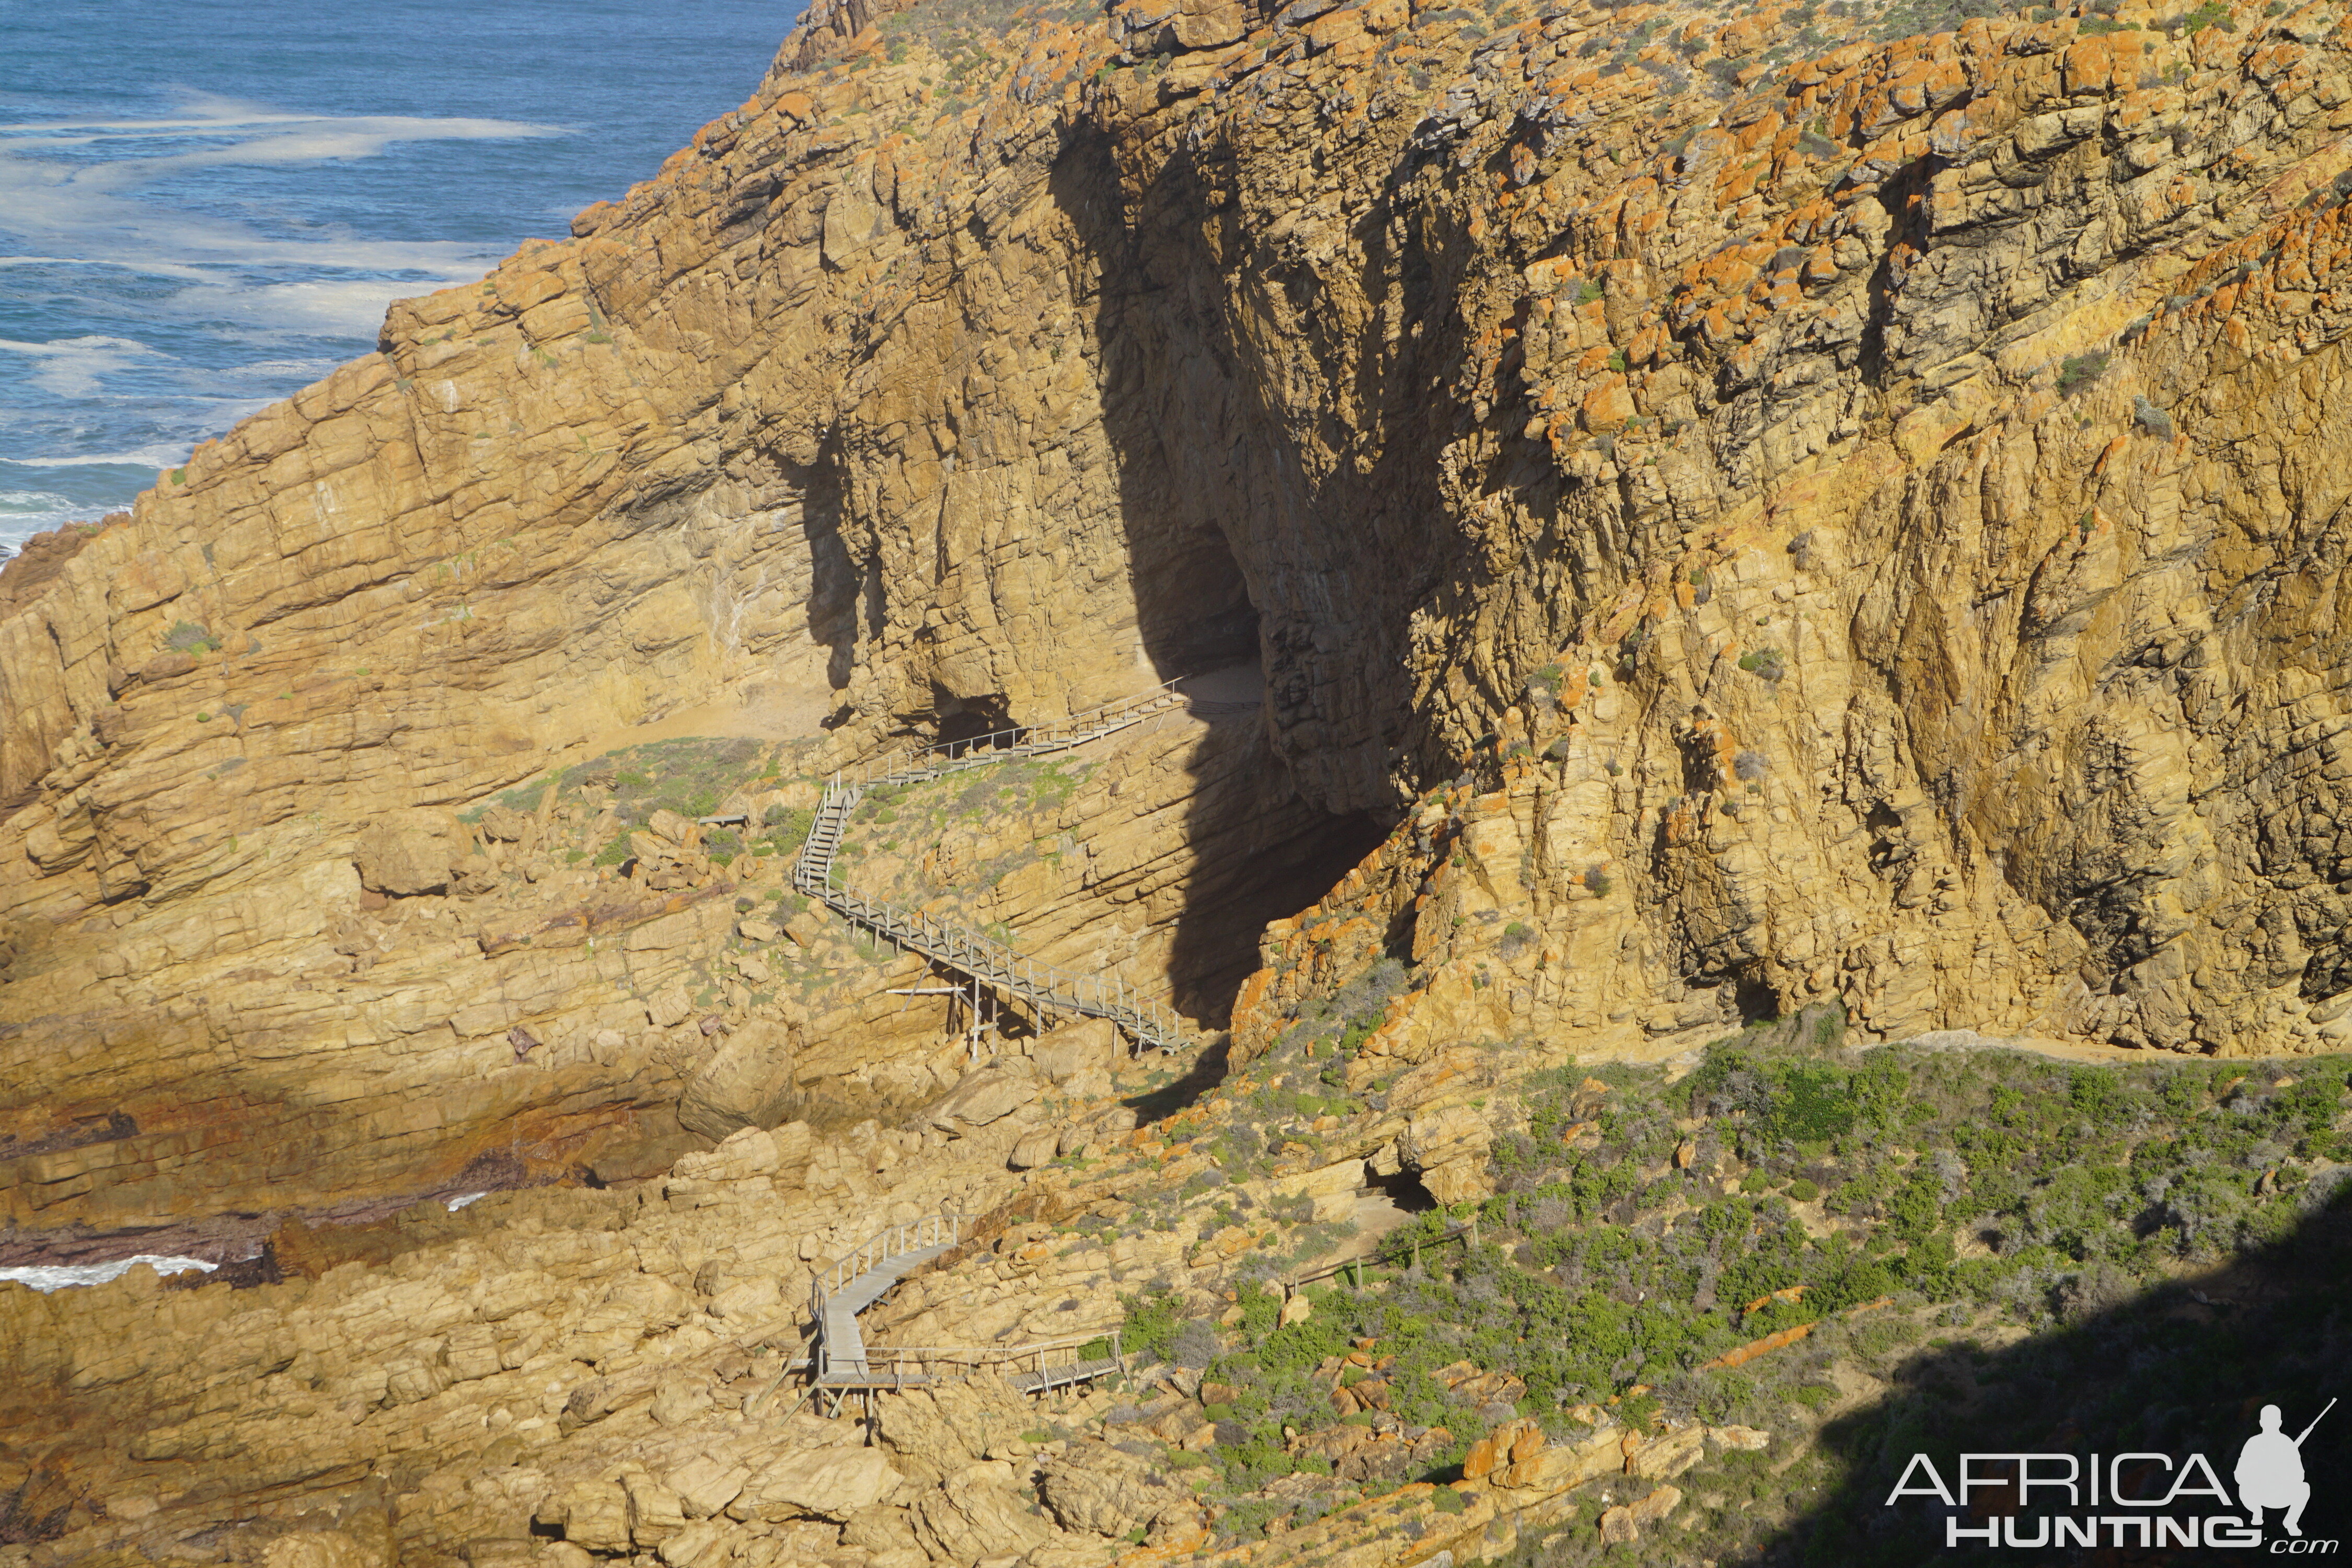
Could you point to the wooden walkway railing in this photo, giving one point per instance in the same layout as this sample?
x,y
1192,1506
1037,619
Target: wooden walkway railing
x,y
1047,989
842,1363
932,1232
1031,1368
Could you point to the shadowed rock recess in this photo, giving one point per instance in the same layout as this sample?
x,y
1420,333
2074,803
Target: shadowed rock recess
x,y
1823,522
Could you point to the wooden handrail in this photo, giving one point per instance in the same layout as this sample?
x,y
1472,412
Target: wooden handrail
x,y
1047,988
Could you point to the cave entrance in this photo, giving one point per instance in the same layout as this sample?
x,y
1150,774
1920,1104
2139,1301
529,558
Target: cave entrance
x,y
962,719
1402,1191
1263,850
1388,1205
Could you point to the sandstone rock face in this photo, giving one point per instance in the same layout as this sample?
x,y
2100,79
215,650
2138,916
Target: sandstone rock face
x,y
1078,1057
942,1432
406,854
1743,584
1863,537
989,1095
746,1084
833,1483
1094,1487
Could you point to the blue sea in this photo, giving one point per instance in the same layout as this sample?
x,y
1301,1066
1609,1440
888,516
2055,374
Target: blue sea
x,y
207,206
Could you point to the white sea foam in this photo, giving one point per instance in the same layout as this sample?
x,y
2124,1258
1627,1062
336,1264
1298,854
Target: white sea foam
x,y
92,217
31,500
24,513
240,232
230,114
48,1276
76,368
127,264
356,307
161,455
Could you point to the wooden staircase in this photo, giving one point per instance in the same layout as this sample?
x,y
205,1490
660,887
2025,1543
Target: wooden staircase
x,y
1046,989
844,1365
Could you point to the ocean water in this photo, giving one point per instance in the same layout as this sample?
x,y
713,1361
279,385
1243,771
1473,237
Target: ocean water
x,y
205,207
48,1276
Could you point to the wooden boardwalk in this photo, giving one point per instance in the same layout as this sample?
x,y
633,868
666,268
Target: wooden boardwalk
x,y
1046,989
844,1364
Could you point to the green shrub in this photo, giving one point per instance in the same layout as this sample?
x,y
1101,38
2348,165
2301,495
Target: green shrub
x,y
2079,371
1810,1103
1802,1191
190,637
1154,1320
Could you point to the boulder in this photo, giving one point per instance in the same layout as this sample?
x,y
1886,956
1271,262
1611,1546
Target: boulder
x,y
591,1514
991,1094
655,1513
1625,1524
680,1398
705,1541
668,1007
404,853
1670,1453
1087,1046
321,1549
505,824
747,1082
705,1486
1036,1149
976,1513
942,1431
1093,1486
1442,1136
829,1483
1530,1463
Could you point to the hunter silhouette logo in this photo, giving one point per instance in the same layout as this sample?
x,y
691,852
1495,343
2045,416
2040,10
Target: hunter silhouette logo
x,y
2270,1470
2143,1500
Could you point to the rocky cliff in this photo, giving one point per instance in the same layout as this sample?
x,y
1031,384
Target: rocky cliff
x,y
1757,525
1842,526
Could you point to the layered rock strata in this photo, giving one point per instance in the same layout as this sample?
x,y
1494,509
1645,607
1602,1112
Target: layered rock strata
x,y
1887,495
1858,532
557,1377
545,991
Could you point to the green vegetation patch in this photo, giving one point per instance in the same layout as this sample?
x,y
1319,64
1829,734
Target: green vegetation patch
x,y
1644,1224
2079,371
690,776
